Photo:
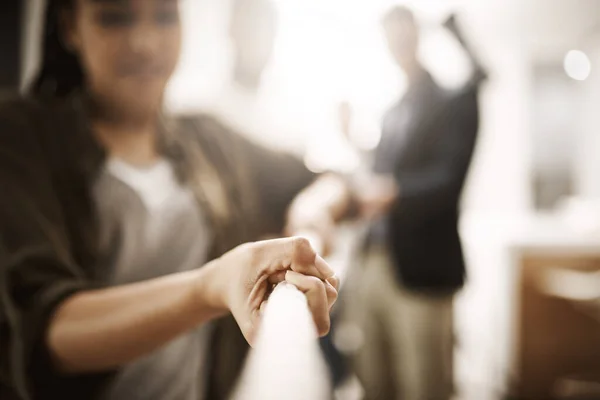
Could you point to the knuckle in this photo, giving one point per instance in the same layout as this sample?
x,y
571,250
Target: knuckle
x,y
315,284
336,283
332,294
301,244
302,249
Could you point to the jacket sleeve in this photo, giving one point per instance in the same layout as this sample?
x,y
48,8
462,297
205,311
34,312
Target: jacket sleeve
x,y
273,178
436,186
278,178
36,270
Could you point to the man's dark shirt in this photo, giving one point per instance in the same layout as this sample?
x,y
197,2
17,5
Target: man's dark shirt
x,y
427,143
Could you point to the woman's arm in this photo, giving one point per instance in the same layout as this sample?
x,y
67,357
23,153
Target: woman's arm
x,y
318,207
53,315
99,330
328,195
102,329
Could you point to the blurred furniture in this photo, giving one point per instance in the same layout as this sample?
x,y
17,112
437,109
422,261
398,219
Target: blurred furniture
x,y
584,386
557,345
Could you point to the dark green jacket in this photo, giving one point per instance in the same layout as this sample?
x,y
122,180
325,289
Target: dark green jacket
x,y
48,227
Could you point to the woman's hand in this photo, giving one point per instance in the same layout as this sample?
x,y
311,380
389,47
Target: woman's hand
x,y
317,208
242,280
314,223
377,195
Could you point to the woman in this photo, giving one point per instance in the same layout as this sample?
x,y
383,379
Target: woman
x,y
109,209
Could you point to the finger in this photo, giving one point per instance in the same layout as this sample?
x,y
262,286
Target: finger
x,y
277,277
332,294
262,308
258,292
314,236
301,256
335,282
276,256
326,271
316,296
306,261
248,325
269,259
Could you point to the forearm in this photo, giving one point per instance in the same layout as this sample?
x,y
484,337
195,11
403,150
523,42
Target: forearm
x,y
458,33
329,195
103,329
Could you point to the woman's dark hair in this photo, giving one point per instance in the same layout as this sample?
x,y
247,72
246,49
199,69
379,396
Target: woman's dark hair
x,y
60,72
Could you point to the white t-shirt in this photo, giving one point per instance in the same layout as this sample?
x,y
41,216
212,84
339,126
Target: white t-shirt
x,y
151,226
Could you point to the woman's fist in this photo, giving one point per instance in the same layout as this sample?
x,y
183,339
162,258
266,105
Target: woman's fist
x,y
242,280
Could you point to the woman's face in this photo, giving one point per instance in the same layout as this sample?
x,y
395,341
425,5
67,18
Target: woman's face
x,y
128,50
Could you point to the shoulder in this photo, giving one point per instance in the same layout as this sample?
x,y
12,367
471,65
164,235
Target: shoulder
x,y
218,139
214,134
40,134
199,126
204,136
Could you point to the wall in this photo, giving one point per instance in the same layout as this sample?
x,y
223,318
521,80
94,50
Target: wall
x,y
499,180
588,165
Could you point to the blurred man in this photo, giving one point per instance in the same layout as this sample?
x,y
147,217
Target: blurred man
x,y
248,100
252,28
415,261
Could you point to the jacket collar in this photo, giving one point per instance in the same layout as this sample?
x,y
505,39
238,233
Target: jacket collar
x,y
90,154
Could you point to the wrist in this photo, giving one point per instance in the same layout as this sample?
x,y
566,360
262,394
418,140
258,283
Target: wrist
x,y
209,293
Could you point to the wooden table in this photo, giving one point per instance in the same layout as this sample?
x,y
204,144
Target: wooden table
x,y
554,338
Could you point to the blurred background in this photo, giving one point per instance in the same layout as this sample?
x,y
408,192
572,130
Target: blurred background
x,y
527,323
